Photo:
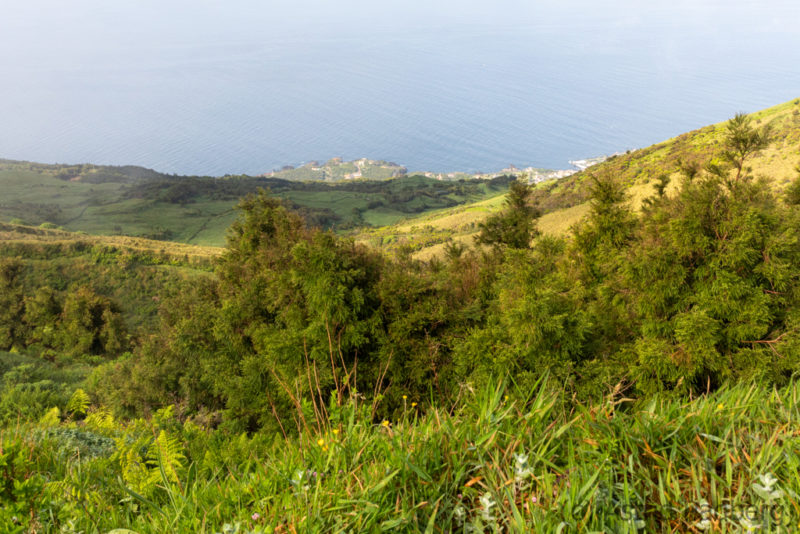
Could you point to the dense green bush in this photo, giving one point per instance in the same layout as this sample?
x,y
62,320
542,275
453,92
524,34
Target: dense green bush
x,y
699,288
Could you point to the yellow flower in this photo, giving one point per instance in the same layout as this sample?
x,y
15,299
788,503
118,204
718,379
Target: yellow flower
x,y
320,442
325,448
335,431
385,423
720,406
506,398
405,397
413,404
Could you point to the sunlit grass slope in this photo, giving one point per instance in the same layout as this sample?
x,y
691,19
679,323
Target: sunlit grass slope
x,y
500,461
564,201
136,273
19,236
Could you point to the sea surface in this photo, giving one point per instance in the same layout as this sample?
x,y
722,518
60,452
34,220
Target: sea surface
x,y
213,88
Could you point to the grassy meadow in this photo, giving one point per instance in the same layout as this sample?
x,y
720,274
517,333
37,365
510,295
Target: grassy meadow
x,y
501,460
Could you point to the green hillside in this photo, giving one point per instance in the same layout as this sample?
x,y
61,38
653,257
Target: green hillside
x,y
135,273
641,167
564,201
143,203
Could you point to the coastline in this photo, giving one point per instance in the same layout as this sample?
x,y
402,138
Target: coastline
x,y
336,170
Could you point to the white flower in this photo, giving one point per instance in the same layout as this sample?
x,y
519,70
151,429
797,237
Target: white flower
x,y
768,480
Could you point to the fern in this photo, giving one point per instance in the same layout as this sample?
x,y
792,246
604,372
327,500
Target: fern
x,y
51,418
79,402
165,458
100,420
133,467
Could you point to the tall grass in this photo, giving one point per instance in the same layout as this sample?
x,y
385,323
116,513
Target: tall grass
x,y
502,460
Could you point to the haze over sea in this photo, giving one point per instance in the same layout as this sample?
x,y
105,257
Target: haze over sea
x,y
206,87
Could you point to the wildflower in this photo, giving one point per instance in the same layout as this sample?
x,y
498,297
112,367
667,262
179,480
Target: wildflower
x,y
320,442
385,423
506,398
720,406
335,431
534,500
405,397
255,517
413,404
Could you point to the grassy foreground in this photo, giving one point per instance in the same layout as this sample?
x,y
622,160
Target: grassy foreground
x,y
499,462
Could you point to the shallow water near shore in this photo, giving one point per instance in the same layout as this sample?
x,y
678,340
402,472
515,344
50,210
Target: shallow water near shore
x,y
245,88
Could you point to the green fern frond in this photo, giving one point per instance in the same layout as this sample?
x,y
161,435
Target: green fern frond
x,y
100,420
166,458
79,402
51,418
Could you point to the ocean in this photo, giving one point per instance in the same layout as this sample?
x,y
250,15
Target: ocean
x,y
215,88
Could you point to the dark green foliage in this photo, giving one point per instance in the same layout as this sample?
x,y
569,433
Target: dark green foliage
x,y
11,303
307,355
712,275
299,314
699,289
75,322
742,142
610,221
429,309
515,226
90,324
42,312
536,323
793,191
29,386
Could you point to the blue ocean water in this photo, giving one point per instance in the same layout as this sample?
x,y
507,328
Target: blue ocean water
x,y
207,87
